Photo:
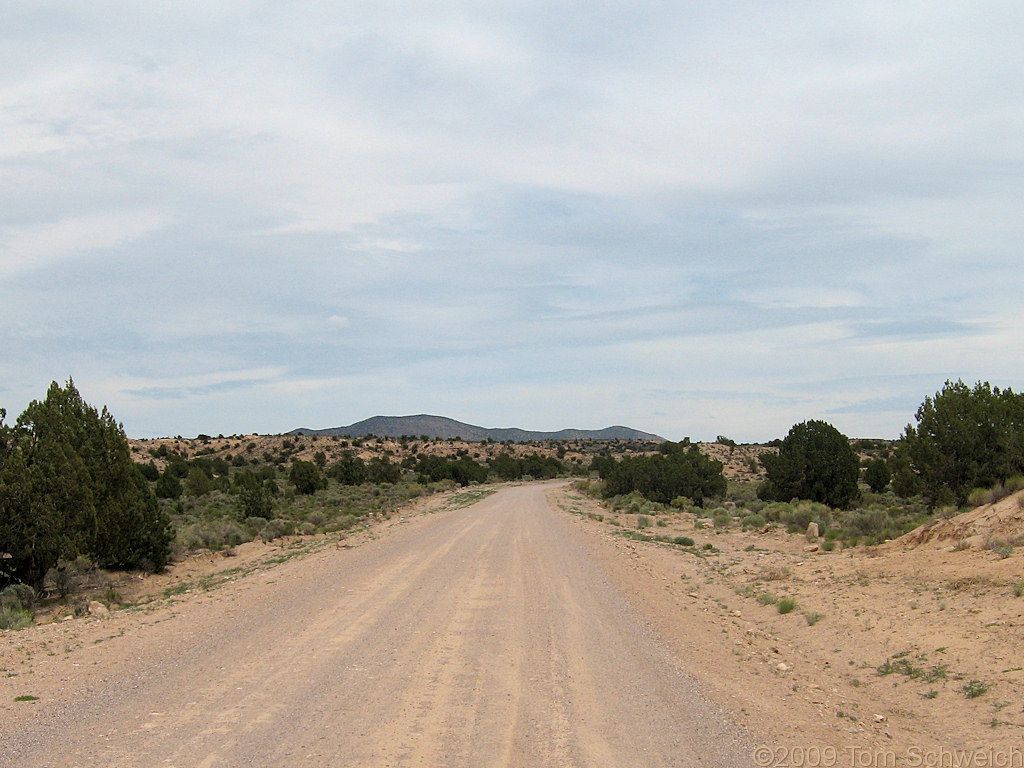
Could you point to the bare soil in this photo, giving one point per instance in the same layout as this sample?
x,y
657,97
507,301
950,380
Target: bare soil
x,y
898,654
524,631
471,636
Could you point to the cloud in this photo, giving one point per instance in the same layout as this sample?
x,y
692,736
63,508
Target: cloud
x,y
198,386
338,321
520,212
40,244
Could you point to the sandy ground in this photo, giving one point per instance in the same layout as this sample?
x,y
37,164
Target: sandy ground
x,y
494,634
522,631
946,619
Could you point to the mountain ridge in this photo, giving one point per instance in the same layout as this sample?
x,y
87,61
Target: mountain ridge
x,y
444,428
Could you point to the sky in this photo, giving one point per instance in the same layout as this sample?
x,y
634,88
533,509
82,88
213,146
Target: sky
x,y
691,218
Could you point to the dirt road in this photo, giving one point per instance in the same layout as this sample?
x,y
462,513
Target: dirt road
x,y
481,636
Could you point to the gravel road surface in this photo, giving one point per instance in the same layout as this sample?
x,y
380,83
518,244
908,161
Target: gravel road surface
x,y
481,636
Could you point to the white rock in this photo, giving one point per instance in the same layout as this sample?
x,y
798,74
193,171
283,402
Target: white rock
x,y
96,608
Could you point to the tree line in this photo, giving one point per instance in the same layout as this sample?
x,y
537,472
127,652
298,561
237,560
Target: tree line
x,y
68,486
964,438
677,469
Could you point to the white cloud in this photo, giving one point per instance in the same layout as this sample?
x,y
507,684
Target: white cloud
x,y
410,207
338,321
33,246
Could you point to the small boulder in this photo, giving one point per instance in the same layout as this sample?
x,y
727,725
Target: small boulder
x,y
812,531
96,608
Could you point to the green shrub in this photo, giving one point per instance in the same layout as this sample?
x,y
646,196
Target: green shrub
x,y
753,521
978,497
767,598
816,462
14,618
675,470
1014,484
18,597
901,665
1001,548
306,477
683,541
274,529
721,520
965,438
642,521
974,688
754,505
214,535
777,511
803,513
868,521
785,605
254,524
877,475
67,576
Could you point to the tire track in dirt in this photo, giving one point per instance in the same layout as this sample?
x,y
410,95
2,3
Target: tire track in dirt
x,y
475,637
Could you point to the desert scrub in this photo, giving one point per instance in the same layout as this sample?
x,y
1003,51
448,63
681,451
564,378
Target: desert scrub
x,y
767,598
214,535
18,596
886,517
753,521
1014,484
774,573
979,497
901,665
974,688
813,617
275,529
721,519
683,541
785,605
14,618
1001,547
643,521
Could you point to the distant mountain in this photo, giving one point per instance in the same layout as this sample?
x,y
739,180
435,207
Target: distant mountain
x,y
444,429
